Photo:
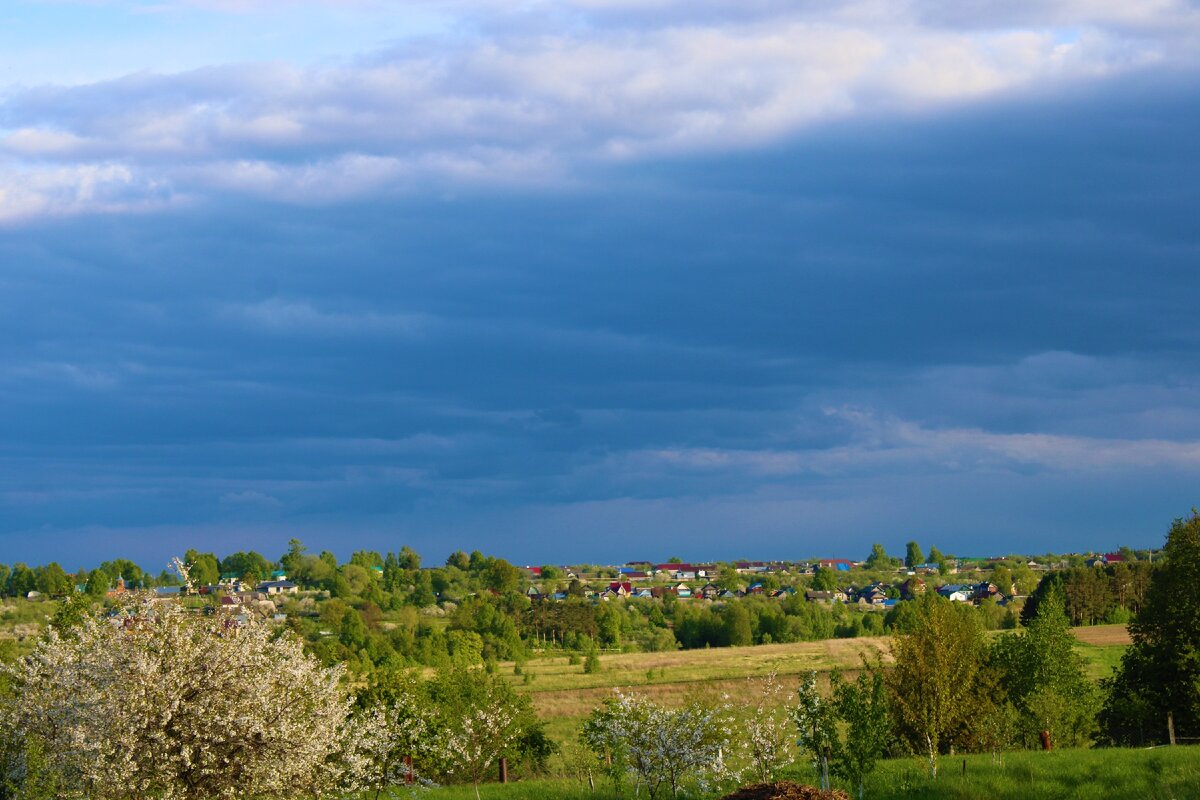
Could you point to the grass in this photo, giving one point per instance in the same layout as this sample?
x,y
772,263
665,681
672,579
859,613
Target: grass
x,y
563,694
1159,774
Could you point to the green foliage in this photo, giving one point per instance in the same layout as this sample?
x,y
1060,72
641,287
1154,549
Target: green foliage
x,y
1043,677
913,555
879,559
817,727
935,685
863,706
824,579
1160,671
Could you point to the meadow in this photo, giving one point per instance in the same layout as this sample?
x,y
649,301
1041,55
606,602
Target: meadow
x,y
563,694
1165,773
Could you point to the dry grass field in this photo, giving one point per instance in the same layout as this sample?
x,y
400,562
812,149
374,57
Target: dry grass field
x,y
563,694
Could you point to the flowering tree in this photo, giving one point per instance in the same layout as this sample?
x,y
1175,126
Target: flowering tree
x,y
379,744
160,702
659,747
767,732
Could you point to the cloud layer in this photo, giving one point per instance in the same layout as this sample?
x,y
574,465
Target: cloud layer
x,y
525,95
581,279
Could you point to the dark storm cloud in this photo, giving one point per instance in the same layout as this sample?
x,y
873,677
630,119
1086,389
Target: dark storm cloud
x,y
916,319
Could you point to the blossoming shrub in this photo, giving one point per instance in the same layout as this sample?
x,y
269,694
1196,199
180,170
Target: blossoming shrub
x,y
164,703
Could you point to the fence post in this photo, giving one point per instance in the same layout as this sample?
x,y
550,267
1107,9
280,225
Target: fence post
x,y
1171,727
1046,741
503,770
409,778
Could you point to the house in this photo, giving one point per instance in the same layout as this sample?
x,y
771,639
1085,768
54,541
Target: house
x,y
785,592
755,588
643,593
925,569
985,590
957,592
620,588
710,591
836,596
533,594
872,596
278,587
840,564
682,590
912,588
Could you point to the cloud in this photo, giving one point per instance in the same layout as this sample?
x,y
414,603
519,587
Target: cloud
x,y
517,104
35,191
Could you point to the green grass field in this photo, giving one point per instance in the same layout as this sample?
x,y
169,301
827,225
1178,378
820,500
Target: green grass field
x,y
1159,774
563,694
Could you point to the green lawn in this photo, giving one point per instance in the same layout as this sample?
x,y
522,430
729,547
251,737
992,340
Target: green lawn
x,y
1160,774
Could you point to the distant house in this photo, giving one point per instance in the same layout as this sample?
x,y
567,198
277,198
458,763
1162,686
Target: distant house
x,y
277,587
840,564
873,596
957,592
620,588
754,588
912,588
814,596
710,591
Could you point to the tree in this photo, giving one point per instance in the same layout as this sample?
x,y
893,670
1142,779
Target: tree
x,y
879,559
203,568
767,731
660,748
1044,678
933,686
913,555
824,579
173,705
936,557
482,718
1160,672
863,706
459,560
816,722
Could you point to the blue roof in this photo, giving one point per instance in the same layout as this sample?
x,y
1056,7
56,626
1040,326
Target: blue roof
x,y
843,567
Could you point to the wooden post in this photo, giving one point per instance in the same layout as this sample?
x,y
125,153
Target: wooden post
x,y
409,778
503,770
1171,727
1046,741
964,766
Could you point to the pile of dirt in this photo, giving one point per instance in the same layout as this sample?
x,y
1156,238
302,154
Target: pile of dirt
x,y
785,790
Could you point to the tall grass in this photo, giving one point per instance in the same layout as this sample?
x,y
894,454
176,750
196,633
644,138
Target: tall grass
x,y
1159,774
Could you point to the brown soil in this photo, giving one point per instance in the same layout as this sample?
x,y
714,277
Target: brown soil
x,y
785,790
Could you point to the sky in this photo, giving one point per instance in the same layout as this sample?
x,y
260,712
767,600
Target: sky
x,y
597,280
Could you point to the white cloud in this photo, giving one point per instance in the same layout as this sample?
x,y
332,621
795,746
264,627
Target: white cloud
x,y
524,103
880,442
